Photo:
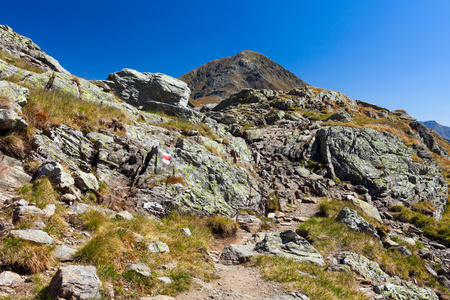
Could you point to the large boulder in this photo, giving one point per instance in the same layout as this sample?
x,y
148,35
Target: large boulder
x,y
382,163
138,88
75,283
23,48
290,245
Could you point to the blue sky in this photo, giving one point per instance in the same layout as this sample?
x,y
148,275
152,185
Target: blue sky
x,y
393,53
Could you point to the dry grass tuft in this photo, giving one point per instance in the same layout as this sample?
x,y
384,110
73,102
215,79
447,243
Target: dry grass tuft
x,y
25,257
48,108
40,192
20,63
223,227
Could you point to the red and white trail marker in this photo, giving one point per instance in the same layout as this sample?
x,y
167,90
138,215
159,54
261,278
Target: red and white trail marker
x,y
166,158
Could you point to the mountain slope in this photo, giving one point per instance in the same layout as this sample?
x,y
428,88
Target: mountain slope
x,y
444,131
221,78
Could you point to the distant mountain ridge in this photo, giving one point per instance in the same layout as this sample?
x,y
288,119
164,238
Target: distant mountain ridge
x,y
444,131
221,78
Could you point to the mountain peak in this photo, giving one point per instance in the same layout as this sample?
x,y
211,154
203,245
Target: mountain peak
x,y
221,78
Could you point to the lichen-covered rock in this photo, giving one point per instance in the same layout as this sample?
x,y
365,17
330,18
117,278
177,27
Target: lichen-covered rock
x,y
355,222
361,265
137,88
382,163
428,138
86,181
75,283
290,245
9,281
404,292
22,47
158,247
386,286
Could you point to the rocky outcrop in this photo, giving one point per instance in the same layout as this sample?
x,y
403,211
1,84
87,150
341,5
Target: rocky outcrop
x,y
428,139
383,164
290,245
75,283
221,78
385,286
23,48
139,88
12,98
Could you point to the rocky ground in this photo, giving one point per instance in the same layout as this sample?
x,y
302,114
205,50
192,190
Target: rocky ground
x,y
334,198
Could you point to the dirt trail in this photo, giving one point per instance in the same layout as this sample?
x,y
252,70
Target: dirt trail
x,y
236,281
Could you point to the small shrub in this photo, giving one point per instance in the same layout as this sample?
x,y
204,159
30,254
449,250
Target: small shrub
x,y
222,226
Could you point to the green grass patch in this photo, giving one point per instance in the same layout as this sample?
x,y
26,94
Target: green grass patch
x,y
113,245
40,192
47,108
330,237
20,63
320,285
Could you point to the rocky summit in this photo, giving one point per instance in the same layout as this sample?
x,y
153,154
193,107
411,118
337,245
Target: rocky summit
x,y
118,189
221,78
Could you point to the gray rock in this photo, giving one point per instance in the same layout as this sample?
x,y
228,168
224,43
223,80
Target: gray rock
x,y
9,280
402,114
355,222
64,253
290,245
361,265
403,250
49,210
125,215
140,268
338,268
86,181
55,173
341,116
75,282
22,211
237,254
401,292
428,138
10,119
369,209
158,247
249,223
138,88
37,236
165,280
186,231
290,296
24,48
